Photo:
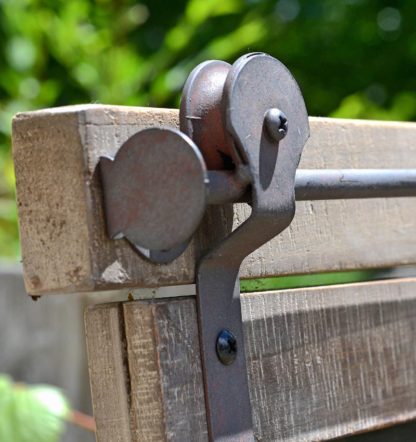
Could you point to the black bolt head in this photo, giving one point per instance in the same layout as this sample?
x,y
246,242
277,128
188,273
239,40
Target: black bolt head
x,y
226,347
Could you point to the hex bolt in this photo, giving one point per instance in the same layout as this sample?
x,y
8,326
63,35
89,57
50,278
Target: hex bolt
x,y
226,347
276,124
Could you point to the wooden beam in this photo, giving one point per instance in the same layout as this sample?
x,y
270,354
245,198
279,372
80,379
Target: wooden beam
x,y
65,248
108,372
322,363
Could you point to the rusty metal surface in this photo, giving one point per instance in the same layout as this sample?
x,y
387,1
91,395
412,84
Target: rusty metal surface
x,y
227,187
155,191
201,114
255,84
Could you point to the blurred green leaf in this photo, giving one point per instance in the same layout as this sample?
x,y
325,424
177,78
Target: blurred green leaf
x,y
311,280
21,53
31,413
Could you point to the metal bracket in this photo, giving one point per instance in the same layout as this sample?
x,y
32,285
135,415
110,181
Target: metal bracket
x,y
258,100
243,128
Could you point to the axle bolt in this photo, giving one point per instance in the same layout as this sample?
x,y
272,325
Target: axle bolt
x,y
226,347
276,123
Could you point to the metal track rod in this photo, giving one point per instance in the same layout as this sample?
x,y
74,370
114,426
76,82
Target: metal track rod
x,y
321,184
354,183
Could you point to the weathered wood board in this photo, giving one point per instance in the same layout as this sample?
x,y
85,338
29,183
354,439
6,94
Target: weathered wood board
x,y
65,248
322,362
109,372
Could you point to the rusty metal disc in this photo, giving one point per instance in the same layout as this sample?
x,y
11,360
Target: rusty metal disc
x,y
155,190
202,114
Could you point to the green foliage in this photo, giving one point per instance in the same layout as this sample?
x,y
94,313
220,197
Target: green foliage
x,y
312,280
31,413
352,58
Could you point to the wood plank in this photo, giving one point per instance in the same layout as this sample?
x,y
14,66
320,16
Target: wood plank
x,y
323,362
65,248
147,422
108,372
154,377
167,396
326,362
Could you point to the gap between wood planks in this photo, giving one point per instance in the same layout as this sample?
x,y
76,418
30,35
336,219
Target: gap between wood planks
x,y
257,285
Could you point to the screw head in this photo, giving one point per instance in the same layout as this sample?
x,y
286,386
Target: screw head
x,y
226,347
276,124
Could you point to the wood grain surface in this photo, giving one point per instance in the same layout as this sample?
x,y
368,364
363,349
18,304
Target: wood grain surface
x,y
323,362
65,248
109,377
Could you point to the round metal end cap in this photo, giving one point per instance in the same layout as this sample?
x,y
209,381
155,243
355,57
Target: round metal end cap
x,y
157,190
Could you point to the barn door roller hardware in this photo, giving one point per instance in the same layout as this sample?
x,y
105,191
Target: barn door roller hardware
x,y
242,131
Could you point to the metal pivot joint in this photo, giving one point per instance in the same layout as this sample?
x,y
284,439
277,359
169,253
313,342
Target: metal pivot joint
x,y
242,131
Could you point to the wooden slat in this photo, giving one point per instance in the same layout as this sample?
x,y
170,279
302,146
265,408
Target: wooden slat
x,y
325,362
108,372
322,362
159,362
147,421
165,374
65,248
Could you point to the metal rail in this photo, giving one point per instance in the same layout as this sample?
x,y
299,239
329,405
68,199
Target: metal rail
x,y
354,183
321,184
